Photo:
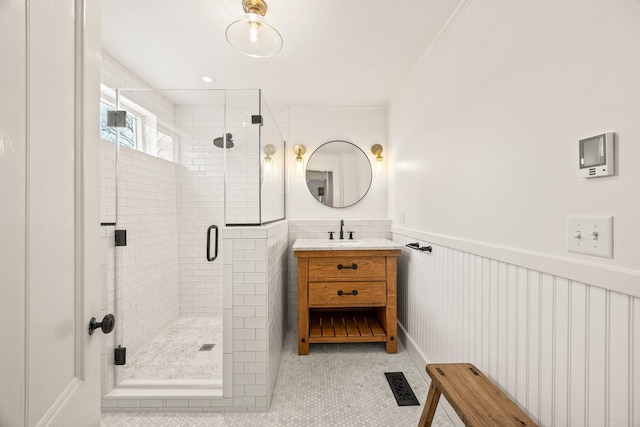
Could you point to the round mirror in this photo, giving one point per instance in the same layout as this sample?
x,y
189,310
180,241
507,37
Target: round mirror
x,y
338,174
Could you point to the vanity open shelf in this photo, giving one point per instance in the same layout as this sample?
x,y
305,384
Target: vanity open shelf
x,y
346,293
345,326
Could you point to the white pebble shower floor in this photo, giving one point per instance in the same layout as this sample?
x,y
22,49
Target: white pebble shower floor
x,y
339,385
174,354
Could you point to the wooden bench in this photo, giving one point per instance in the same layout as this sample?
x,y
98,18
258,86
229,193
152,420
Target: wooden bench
x,y
476,400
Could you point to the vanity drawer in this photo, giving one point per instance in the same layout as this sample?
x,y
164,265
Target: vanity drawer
x,y
347,268
347,294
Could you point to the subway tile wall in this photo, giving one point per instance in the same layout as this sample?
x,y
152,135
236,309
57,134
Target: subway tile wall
x,y
201,204
255,279
108,302
115,76
145,296
243,167
148,266
277,266
318,229
107,182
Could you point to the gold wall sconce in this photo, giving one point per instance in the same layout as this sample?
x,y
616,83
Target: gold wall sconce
x,y
269,150
376,149
299,150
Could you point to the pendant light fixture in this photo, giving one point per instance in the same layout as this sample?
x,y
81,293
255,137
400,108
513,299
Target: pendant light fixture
x,y
252,35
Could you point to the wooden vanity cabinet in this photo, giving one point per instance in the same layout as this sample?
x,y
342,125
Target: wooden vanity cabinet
x,y
347,296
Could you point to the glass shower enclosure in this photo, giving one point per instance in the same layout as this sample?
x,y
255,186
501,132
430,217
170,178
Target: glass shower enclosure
x,y
177,167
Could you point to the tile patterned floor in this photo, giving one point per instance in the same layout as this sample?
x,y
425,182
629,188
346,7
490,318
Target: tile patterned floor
x,y
174,353
334,386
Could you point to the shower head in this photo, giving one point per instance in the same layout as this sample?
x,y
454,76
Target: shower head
x,y
219,142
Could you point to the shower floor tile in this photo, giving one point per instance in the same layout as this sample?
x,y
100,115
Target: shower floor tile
x,y
334,386
174,354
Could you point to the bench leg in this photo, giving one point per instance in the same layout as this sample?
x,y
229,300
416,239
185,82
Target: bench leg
x,y
430,406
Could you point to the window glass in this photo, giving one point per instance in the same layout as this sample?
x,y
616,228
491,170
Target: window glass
x,y
165,145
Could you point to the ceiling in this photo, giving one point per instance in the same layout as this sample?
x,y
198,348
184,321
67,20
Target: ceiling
x,y
335,53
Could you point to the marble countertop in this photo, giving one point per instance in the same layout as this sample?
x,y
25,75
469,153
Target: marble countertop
x,y
337,244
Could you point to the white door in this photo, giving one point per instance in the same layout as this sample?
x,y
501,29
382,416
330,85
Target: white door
x,y
49,224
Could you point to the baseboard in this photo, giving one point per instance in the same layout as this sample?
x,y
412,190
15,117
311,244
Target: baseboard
x,y
420,360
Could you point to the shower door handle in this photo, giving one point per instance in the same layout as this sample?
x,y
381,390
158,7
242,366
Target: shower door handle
x,y
215,253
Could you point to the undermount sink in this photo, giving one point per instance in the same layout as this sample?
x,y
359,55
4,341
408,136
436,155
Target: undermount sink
x,y
344,244
338,242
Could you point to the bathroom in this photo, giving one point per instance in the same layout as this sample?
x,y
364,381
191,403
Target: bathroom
x,y
479,124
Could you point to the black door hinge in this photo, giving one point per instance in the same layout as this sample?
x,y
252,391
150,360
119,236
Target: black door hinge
x,y
121,237
120,355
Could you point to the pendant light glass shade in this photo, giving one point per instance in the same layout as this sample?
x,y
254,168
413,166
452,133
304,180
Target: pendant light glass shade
x,y
254,37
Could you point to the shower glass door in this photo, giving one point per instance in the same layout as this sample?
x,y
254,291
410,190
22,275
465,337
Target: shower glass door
x,y
254,184
242,184
165,282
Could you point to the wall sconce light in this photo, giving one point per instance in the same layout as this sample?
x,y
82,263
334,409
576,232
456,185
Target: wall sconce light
x,y
269,150
299,150
376,149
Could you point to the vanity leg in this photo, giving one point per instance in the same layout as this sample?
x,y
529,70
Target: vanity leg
x,y
303,306
303,340
391,310
387,317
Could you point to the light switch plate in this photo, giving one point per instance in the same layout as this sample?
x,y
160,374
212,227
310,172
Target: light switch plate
x,y
590,234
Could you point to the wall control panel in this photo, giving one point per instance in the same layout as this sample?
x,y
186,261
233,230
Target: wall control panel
x,y
596,156
591,235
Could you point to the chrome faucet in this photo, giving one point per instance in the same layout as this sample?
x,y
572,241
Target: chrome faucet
x,y
341,232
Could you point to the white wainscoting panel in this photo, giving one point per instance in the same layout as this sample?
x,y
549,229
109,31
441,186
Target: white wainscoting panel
x,y
567,352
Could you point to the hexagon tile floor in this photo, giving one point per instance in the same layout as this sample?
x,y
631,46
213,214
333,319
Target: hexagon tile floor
x,y
336,385
173,354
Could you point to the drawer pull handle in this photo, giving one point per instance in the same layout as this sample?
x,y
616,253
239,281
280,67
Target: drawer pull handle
x,y
353,266
353,292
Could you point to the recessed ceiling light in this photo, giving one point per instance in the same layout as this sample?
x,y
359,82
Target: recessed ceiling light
x,y
208,79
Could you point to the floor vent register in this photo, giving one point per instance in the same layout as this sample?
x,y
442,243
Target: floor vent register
x,y
401,389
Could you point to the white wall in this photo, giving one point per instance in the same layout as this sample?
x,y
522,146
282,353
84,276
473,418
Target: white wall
x,y
13,225
313,127
485,130
483,139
